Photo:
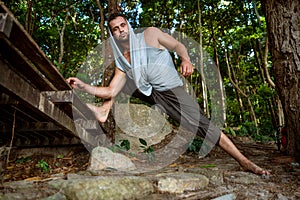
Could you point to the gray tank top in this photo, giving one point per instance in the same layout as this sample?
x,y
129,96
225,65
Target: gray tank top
x,y
159,72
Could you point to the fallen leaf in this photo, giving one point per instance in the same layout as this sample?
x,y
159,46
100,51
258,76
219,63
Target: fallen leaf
x,y
208,166
36,178
10,167
173,165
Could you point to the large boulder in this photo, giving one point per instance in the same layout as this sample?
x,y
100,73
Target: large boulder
x,y
134,121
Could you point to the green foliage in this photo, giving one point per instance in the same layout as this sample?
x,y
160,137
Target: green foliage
x,y
148,150
43,165
195,145
263,138
265,91
248,129
123,146
23,159
208,166
60,156
230,131
227,27
81,33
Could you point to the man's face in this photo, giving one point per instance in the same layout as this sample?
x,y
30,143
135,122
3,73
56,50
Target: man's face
x,y
119,29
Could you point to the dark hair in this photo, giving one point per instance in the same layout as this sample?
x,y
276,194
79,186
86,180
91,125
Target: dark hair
x,y
114,16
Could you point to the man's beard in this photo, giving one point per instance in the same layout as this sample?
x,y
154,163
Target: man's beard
x,y
124,38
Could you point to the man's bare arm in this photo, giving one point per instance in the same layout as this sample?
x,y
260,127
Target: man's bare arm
x,y
156,38
111,91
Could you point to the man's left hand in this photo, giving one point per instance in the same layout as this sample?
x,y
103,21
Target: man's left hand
x,y
186,68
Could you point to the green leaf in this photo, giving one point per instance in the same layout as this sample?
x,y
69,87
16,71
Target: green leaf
x,y
208,166
43,165
149,150
125,144
20,160
60,156
142,141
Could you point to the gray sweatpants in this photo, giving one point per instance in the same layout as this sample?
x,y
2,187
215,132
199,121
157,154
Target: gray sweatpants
x,y
181,107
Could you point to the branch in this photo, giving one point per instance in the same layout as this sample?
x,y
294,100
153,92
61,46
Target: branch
x,y
230,78
265,64
61,38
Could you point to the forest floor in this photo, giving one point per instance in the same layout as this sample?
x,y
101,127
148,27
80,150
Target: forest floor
x,y
285,172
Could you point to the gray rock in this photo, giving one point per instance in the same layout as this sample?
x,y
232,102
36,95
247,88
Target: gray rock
x,y
57,196
241,177
181,182
226,197
102,158
281,197
25,190
136,121
106,188
215,176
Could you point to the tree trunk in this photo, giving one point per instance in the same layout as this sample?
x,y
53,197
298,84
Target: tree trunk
x,y
28,20
102,20
113,6
261,57
238,90
235,81
108,72
283,25
61,37
203,80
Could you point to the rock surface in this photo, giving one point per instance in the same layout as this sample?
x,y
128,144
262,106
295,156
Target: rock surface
x,y
136,121
113,176
181,182
102,157
226,180
104,187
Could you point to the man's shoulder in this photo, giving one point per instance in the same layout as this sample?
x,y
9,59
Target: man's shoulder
x,y
152,32
152,36
152,29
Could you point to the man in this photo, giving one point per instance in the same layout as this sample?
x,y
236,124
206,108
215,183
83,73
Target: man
x,y
145,70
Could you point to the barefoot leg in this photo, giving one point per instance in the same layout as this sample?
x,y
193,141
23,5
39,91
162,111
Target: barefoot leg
x,y
226,144
101,113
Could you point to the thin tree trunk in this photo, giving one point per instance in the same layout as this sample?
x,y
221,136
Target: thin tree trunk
x,y
221,112
113,6
109,65
257,54
280,121
251,111
201,66
238,96
102,20
262,61
28,20
265,64
61,38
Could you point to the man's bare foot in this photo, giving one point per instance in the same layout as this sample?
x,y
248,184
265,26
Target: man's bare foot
x,y
250,166
227,145
101,113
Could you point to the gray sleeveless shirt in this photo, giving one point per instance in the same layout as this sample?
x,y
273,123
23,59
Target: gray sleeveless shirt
x,y
156,71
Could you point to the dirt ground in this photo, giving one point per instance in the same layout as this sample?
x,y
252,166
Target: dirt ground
x,y
285,172
42,165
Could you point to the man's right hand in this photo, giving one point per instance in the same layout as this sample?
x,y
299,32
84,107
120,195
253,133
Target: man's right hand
x,y
76,83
